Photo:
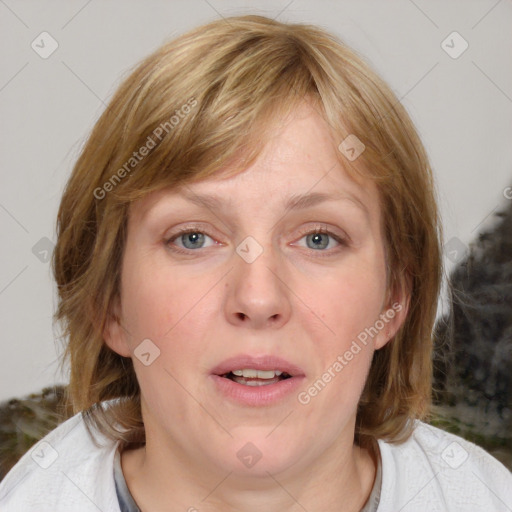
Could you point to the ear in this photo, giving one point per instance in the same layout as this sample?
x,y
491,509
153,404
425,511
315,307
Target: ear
x,y
394,313
114,334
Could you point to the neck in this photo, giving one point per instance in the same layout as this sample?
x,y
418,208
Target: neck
x,y
340,480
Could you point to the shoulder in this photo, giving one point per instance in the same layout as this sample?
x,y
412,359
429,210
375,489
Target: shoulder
x,y
66,470
437,471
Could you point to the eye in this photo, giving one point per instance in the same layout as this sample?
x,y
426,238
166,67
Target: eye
x,y
189,238
320,238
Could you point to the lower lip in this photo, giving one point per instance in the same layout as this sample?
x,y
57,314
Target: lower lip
x,y
257,395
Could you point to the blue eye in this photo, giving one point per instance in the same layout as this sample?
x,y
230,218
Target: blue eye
x,y
188,239
319,239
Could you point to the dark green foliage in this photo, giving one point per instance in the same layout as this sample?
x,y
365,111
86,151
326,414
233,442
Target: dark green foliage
x,y
473,355
23,422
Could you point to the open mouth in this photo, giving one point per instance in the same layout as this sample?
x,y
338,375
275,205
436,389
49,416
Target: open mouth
x,y
249,377
257,381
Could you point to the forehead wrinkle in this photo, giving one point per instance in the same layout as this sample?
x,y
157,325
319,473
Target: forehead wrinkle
x,y
294,203
303,201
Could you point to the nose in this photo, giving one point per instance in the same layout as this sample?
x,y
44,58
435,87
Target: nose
x,y
258,295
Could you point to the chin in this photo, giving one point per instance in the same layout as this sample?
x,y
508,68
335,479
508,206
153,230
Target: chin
x,y
258,454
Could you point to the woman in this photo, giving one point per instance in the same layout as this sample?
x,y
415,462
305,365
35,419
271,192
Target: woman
x,y
248,263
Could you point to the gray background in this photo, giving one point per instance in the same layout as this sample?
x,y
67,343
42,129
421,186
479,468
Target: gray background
x,y
461,106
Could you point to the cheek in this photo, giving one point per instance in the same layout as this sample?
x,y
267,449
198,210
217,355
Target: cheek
x,y
149,310
347,300
167,306
346,305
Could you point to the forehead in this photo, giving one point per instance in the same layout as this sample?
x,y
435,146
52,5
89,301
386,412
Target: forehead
x,y
299,166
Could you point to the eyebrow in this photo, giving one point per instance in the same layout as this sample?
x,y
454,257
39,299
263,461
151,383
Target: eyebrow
x,y
293,203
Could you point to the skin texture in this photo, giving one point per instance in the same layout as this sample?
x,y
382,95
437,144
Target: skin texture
x,y
295,301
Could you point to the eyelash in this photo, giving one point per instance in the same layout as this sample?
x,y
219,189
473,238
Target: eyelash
x,y
343,242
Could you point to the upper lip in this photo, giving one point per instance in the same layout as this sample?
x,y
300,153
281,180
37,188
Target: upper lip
x,y
263,362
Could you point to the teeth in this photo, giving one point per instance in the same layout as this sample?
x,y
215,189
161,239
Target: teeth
x,y
249,373
254,383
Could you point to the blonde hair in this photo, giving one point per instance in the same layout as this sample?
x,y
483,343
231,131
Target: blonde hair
x,y
197,104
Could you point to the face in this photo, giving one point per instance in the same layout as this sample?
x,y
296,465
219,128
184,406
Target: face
x,y
264,282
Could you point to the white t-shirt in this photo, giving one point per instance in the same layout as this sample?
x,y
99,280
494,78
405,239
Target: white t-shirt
x,y
432,471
